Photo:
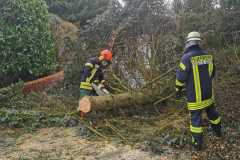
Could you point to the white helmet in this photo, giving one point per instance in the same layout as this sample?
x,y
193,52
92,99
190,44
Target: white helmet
x,y
194,36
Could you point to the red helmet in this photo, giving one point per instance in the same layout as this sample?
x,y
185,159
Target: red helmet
x,y
107,55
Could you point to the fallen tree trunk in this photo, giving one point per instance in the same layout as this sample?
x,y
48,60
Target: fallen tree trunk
x,y
43,83
86,104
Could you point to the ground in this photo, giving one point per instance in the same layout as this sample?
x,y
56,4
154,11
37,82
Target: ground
x,y
64,143
140,138
141,133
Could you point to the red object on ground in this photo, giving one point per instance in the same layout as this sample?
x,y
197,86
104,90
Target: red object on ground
x,y
43,83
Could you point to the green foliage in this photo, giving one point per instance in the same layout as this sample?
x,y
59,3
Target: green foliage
x,y
94,36
26,46
35,110
198,5
217,20
230,4
78,10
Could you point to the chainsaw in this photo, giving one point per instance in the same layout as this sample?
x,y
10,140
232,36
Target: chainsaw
x,y
100,89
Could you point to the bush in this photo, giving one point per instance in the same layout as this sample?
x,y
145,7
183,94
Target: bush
x,y
26,45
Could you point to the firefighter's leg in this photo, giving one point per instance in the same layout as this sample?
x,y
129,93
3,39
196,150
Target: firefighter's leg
x,y
196,129
214,119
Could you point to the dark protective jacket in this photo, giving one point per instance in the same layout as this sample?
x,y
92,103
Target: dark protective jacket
x,y
196,72
92,73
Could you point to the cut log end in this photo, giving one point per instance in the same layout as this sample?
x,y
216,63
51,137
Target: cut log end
x,y
84,105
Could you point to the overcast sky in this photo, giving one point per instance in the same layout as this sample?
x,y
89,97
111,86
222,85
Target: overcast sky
x,y
122,3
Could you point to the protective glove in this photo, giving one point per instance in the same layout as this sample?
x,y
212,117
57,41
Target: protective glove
x,y
103,88
179,93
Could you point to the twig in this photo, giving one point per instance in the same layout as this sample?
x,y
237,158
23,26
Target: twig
x,y
158,77
96,132
119,81
235,52
116,131
183,100
163,99
116,89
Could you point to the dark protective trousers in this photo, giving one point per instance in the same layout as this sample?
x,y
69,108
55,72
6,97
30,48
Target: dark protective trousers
x,y
196,122
84,92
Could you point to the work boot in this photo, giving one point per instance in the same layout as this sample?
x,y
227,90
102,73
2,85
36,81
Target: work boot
x,y
197,143
217,130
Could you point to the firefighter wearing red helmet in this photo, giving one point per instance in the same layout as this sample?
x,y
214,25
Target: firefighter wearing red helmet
x,y
92,74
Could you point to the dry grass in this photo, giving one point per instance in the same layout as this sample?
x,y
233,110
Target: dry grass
x,y
62,143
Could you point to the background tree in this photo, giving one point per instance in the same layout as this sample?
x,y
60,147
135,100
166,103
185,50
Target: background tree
x,y
230,21
230,4
78,10
94,36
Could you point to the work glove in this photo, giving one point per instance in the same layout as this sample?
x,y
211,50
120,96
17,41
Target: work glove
x,y
105,84
178,95
179,92
103,89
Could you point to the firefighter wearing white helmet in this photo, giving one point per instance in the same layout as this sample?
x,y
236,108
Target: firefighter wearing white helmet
x,y
195,73
193,38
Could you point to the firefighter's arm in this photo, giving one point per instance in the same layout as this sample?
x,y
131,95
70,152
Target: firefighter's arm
x,y
182,75
86,71
102,78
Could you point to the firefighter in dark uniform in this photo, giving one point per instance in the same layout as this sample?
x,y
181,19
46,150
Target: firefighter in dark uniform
x,y
196,72
93,72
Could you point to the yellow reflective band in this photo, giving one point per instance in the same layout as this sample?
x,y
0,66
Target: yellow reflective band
x,y
210,69
217,121
196,129
178,83
89,65
93,72
182,66
197,83
200,105
203,59
85,85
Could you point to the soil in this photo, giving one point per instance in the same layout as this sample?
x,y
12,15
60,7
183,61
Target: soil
x,y
64,143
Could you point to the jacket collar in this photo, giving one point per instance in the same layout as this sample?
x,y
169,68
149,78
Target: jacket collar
x,y
193,48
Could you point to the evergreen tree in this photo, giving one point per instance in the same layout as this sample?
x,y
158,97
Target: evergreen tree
x,y
78,10
230,4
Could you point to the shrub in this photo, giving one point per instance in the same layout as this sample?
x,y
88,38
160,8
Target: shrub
x,y
26,45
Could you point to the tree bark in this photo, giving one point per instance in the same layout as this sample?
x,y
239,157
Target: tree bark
x,y
43,83
86,104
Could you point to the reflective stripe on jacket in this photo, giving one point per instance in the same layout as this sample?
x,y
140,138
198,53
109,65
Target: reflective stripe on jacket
x,y
195,72
92,72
